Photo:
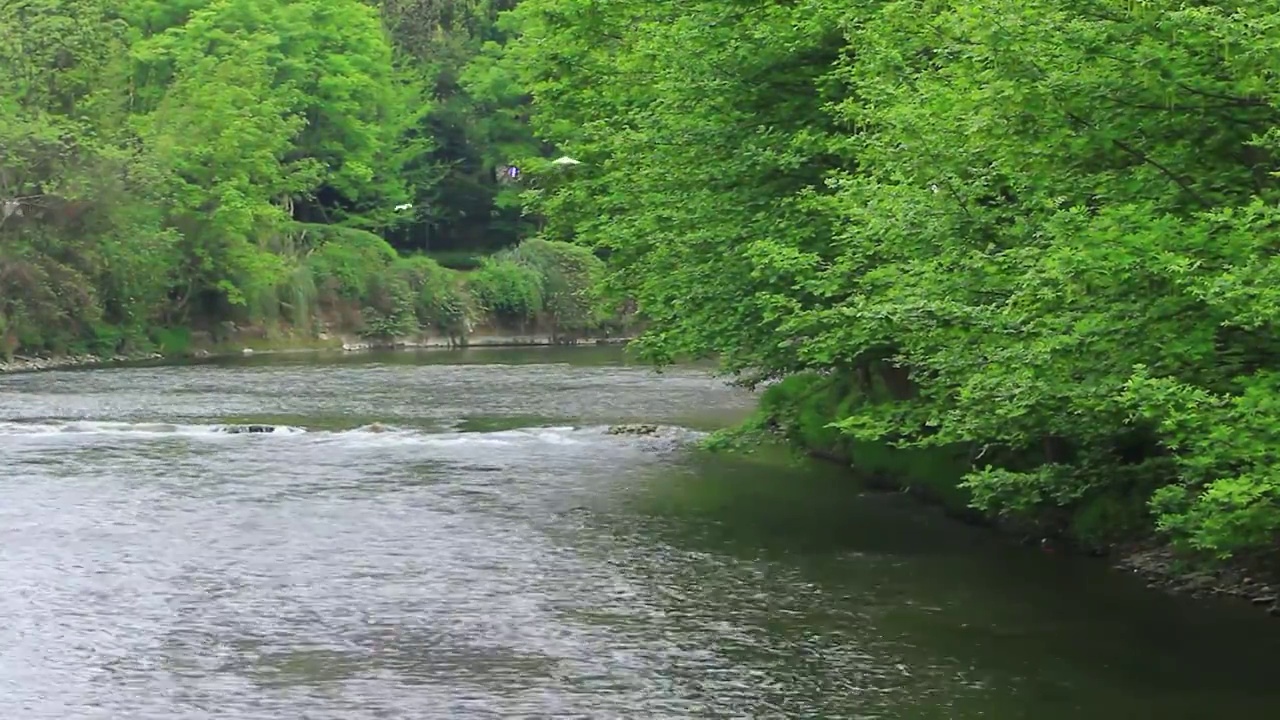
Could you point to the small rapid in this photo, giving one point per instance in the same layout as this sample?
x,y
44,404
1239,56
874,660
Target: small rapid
x,y
563,434
56,427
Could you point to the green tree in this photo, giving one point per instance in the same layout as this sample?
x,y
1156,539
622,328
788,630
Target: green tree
x,y
476,120
75,252
1035,230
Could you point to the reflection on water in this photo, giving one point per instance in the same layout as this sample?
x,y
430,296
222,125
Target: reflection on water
x,y
456,535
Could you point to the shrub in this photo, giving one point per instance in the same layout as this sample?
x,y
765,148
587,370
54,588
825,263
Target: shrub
x,y
171,340
346,261
439,300
389,309
457,259
47,304
510,291
571,277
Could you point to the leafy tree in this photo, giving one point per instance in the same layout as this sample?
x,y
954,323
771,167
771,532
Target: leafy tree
x,y
75,253
476,120
1038,231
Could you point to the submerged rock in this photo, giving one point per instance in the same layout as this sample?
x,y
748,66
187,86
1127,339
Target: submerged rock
x,y
633,430
238,429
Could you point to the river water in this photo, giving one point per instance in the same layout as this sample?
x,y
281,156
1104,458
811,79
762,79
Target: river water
x,y
454,535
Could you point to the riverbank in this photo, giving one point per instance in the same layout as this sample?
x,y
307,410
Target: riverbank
x,y
1114,527
257,345
1254,581
353,289
35,364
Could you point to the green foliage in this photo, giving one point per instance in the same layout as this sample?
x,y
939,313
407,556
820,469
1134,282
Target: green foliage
x,y
390,310
570,281
1042,229
440,300
396,296
73,191
197,161
399,296
163,162
457,259
346,263
511,291
172,341
476,122
802,407
1107,518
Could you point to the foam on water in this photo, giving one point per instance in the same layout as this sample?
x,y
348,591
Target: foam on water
x,y
55,427
376,433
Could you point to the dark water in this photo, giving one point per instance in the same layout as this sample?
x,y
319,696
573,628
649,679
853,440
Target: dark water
x,y
495,554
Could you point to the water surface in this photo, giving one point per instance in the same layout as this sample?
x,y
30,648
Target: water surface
x,y
454,535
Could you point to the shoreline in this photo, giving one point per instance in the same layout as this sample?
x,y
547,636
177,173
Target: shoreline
x,y
1117,530
24,364
1165,571
32,364
1153,560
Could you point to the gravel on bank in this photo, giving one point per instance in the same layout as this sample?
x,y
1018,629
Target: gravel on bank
x,y
1166,571
34,364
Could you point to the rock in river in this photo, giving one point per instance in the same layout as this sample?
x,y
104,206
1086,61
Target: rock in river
x,y
633,430
237,429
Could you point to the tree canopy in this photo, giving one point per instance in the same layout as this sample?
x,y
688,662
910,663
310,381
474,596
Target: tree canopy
x,y
169,163
1039,230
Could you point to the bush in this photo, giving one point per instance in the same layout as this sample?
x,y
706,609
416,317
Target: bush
x,y
439,300
47,303
508,290
346,262
457,259
297,296
389,308
171,340
571,277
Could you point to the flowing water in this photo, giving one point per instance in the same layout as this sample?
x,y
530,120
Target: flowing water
x,y
455,535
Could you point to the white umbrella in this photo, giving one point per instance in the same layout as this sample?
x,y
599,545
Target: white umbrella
x,y
565,160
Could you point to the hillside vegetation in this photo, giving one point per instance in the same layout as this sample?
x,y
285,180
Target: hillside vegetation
x,y
281,164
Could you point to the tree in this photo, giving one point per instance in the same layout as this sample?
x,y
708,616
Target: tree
x,y
476,119
67,164
1037,230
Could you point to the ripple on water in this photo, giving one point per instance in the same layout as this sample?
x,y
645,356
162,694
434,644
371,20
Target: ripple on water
x,y
466,541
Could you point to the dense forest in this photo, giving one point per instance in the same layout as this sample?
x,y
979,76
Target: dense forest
x,y
1018,252
281,164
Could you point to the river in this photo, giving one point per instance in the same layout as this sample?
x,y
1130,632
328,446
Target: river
x,y
454,535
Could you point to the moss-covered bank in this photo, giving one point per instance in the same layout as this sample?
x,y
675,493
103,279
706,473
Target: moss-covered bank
x,y
803,410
